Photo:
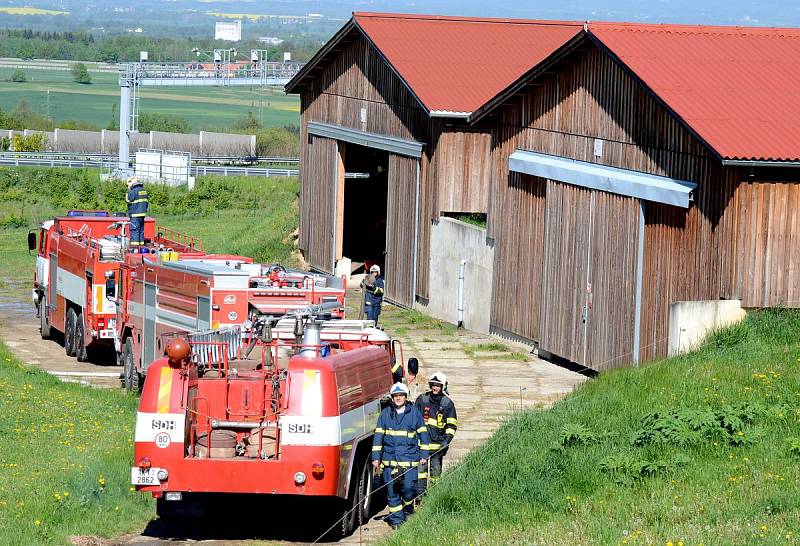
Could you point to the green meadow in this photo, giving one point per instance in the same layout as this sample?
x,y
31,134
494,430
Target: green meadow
x,y
205,107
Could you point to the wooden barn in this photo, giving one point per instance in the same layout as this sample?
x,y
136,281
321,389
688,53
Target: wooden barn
x,y
640,166
623,169
388,97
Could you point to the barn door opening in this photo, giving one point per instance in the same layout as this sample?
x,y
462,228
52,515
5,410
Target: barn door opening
x,y
362,207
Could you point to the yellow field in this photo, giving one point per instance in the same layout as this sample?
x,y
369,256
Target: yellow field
x,y
250,16
31,11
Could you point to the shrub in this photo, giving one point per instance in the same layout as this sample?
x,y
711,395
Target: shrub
x,y
80,74
34,142
18,76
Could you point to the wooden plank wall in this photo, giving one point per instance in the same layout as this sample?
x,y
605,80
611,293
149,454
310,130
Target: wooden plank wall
x,y
515,302
768,244
688,254
319,186
462,162
400,223
612,274
564,257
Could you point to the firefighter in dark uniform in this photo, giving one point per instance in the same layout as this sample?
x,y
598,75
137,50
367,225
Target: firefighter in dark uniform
x,y
399,446
439,414
373,293
137,210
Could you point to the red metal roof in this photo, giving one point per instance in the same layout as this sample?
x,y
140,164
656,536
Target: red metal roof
x,y
737,88
455,64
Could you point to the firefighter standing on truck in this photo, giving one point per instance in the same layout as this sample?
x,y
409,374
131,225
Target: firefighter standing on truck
x,y
137,210
400,445
439,414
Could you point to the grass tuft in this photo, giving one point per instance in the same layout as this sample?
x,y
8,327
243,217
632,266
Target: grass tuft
x,y
66,458
700,448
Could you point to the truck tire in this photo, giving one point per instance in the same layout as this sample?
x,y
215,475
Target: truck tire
x,y
44,322
365,493
131,378
69,332
80,339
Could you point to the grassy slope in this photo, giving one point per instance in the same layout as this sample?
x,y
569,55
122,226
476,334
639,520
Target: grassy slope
x,y
65,459
203,107
572,475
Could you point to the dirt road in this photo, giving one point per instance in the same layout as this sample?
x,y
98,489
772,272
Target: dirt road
x,y
19,329
489,379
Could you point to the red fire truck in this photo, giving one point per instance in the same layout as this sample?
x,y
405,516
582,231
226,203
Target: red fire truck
x,y
77,254
182,296
88,287
296,421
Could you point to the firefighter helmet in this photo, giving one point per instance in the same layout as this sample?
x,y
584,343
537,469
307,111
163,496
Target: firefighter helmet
x,y
440,378
399,388
178,350
376,268
132,181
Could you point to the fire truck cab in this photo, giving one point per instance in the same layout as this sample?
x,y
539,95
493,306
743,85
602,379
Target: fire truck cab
x,y
76,255
294,422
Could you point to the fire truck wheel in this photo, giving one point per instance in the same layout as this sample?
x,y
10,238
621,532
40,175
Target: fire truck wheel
x,y
80,340
69,332
365,486
44,322
131,376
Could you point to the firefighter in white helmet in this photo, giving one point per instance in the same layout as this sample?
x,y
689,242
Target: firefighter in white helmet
x,y
373,293
399,447
439,414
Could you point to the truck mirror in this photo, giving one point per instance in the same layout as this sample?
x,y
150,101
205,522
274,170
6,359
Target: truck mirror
x,y
31,240
413,366
111,288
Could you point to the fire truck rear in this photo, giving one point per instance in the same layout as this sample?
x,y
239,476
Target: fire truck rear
x,y
296,421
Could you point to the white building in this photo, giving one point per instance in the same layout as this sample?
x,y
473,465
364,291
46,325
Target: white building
x,y
228,30
270,40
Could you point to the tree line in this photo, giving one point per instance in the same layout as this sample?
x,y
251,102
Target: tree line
x,y
84,46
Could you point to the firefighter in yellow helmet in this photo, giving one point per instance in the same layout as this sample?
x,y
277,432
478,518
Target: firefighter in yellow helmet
x,y
439,414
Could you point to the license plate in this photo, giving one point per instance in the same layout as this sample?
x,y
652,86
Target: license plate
x,y
141,476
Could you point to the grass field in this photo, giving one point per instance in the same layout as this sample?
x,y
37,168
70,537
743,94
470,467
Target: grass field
x,y
210,107
31,11
698,449
66,458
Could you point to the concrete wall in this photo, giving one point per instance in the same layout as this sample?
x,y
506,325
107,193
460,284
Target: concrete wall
x,y
451,242
690,322
68,140
105,141
175,142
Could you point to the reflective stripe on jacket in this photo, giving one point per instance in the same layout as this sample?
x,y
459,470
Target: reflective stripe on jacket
x,y
374,294
400,437
137,201
439,415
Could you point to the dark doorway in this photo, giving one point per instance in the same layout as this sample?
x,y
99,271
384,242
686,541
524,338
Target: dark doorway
x,y
365,197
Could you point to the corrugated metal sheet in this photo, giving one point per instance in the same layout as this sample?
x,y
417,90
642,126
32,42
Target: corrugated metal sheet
x,y
737,88
455,64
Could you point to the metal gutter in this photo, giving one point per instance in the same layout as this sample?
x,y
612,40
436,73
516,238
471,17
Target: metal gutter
x,y
400,146
758,163
649,187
